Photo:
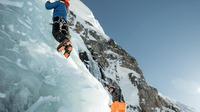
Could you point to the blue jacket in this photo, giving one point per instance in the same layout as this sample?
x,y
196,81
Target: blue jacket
x,y
60,9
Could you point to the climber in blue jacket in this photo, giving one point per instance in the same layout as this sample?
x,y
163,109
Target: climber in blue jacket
x,y
60,28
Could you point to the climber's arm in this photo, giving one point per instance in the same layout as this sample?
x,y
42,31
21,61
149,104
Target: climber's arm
x,y
50,5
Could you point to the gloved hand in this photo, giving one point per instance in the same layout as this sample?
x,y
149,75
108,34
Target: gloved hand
x,y
49,0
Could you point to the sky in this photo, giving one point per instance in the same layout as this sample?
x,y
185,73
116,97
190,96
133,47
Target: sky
x,y
164,37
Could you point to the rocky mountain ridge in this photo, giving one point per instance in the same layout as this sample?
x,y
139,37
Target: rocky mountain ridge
x,y
149,98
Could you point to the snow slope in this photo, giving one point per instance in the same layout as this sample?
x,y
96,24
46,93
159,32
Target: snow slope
x,y
129,91
33,76
84,12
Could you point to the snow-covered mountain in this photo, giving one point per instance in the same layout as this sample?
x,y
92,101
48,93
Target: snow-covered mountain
x,y
185,108
35,78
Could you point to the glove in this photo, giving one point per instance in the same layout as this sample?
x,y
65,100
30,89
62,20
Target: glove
x,y
51,0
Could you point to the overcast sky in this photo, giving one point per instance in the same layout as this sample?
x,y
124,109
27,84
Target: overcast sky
x,y
163,35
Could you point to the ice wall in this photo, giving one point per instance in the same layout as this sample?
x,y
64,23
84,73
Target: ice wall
x,y
33,76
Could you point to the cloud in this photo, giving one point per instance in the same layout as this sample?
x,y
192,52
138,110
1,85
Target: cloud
x,y
187,91
186,86
198,90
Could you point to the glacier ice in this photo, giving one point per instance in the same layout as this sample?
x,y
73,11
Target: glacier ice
x,y
33,76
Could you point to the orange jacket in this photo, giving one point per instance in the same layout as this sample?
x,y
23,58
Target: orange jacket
x,y
118,107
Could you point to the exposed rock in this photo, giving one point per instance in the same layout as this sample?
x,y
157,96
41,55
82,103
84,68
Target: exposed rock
x,y
79,27
149,97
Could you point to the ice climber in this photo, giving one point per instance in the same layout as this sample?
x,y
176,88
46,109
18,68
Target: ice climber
x,y
60,27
